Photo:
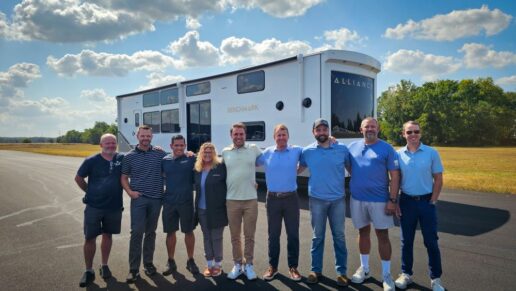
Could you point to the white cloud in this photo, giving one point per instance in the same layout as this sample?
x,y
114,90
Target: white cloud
x,y
105,64
343,38
15,79
277,8
454,25
96,95
192,23
510,80
194,52
428,66
480,56
159,79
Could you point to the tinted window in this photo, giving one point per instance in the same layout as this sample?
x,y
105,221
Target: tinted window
x,y
198,89
151,99
170,120
169,96
152,119
352,100
255,131
136,119
251,82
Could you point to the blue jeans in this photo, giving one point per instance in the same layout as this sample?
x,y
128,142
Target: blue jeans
x,y
335,211
422,211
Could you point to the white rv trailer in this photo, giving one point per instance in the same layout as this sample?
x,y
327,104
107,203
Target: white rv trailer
x,y
337,85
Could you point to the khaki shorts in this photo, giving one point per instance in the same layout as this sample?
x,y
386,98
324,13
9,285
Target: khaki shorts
x,y
364,213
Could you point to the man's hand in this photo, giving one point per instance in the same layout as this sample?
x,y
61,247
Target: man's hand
x,y
190,154
390,208
134,194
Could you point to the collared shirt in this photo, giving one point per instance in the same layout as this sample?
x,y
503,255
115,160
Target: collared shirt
x,y
280,167
417,169
241,171
370,166
104,188
144,171
327,170
179,178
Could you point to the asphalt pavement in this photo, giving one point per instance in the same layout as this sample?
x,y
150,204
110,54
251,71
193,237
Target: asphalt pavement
x,y
41,240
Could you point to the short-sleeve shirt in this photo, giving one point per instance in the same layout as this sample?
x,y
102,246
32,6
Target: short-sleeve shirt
x,y
417,169
370,164
179,178
241,171
104,188
280,168
327,170
144,171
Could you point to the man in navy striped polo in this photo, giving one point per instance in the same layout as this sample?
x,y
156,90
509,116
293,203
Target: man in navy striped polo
x,y
142,180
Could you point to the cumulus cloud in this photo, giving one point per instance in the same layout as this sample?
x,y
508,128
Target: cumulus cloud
x,y
510,80
343,38
96,95
480,56
454,25
157,79
88,62
15,79
194,52
106,20
428,66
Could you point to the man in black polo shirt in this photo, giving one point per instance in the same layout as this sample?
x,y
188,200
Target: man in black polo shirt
x,y
103,199
142,166
178,207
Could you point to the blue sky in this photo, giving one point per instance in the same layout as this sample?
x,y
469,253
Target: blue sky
x,y
63,62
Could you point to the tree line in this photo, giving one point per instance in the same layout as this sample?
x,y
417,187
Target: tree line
x,y
89,135
455,113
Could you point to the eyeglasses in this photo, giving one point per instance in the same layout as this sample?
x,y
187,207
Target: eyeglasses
x,y
409,132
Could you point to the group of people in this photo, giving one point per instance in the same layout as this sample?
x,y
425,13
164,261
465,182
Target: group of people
x,y
384,184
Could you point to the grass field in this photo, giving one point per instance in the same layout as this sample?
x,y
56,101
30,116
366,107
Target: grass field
x,y
474,169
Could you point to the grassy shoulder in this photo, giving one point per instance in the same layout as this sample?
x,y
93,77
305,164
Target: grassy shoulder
x,y
473,169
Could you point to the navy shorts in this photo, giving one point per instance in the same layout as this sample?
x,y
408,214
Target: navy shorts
x,y
98,221
174,214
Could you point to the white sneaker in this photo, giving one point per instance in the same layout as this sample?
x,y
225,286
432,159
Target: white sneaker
x,y
249,272
436,285
360,275
388,283
403,281
235,272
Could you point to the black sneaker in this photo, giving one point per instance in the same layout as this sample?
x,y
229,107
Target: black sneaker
x,y
133,276
149,269
171,267
192,267
104,272
86,279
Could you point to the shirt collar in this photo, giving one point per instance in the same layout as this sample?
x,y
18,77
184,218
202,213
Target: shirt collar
x,y
420,148
151,148
284,150
232,146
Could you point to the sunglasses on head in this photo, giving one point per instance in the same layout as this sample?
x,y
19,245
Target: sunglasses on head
x,y
412,132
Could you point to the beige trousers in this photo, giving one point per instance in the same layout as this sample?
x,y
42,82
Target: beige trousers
x,y
246,211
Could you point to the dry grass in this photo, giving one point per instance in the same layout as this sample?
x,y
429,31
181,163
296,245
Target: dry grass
x,y
57,149
474,169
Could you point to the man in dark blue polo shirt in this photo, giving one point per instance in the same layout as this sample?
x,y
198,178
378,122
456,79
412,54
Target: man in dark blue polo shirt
x,y
178,207
143,166
103,199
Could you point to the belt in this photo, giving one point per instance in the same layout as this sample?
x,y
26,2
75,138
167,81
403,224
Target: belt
x,y
281,194
425,197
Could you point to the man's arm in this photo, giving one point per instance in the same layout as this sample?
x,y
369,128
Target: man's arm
x,y
124,180
436,188
81,182
391,207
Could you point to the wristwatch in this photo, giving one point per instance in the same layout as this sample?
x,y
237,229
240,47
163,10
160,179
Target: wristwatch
x,y
393,200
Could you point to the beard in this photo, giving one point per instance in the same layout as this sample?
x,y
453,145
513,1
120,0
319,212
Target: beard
x,y
321,138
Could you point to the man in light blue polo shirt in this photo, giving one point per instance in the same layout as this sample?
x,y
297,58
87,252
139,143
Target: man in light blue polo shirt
x,y
421,183
327,163
280,163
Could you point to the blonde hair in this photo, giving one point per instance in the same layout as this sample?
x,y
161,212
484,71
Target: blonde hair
x,y
199,164
279,127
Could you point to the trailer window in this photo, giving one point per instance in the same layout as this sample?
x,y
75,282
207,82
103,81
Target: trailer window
x,y
255,131
352,100
170,120
152,119
251,82
137,119
151,99
198,89
169,96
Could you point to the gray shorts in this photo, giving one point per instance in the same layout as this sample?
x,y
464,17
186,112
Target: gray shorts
x,y
364,213
98,221
174,214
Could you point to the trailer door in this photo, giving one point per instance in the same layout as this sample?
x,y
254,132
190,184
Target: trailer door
x,y
198,127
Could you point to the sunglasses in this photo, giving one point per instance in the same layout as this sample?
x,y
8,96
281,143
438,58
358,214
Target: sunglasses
x,y
409,132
